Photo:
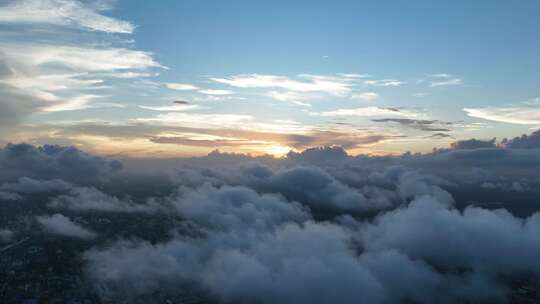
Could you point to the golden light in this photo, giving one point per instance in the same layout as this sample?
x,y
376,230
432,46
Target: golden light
x,y
279,151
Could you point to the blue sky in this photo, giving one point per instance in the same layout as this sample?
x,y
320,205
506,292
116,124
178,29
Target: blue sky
x,y
268,76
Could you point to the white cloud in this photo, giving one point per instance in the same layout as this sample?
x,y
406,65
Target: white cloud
x,y
443,79
452,81
173,108
367,96
130,75
198,120
514,115
384,82
294,97
216,92
440,75
368,112
314,83
355,75
181,86
62,12
75,103
79,58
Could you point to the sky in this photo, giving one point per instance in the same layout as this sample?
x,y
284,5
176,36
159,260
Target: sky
x,y
181,78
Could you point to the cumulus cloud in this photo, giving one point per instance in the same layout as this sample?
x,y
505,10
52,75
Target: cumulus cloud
x,y
473,144
53,162
313,187
524,141
84,199
58,224
317,226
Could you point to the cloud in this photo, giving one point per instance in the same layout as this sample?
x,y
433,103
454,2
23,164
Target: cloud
x,y
384,82
313,187
368,112
50,162
439,135
533,101
312,83
418,124
216,92
26,185
367,96
76,57
181,86
83,199
173,108
415,230
62,12
316,226
524,141
199,120
294,97
473,144
513,115
6,235
41,72
438,80
58,224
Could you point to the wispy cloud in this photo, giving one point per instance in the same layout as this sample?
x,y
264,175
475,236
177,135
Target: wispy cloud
x,y
438,80
62,12
181,86
173,108
514,115
79,58
198,120
304,83
216,92
384,82
294,97
367,96
418,124
63,76
368,112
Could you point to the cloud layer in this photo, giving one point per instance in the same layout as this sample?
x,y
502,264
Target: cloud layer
x,y
317,226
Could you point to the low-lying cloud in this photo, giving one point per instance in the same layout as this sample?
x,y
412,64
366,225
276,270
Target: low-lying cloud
x,y
318,226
